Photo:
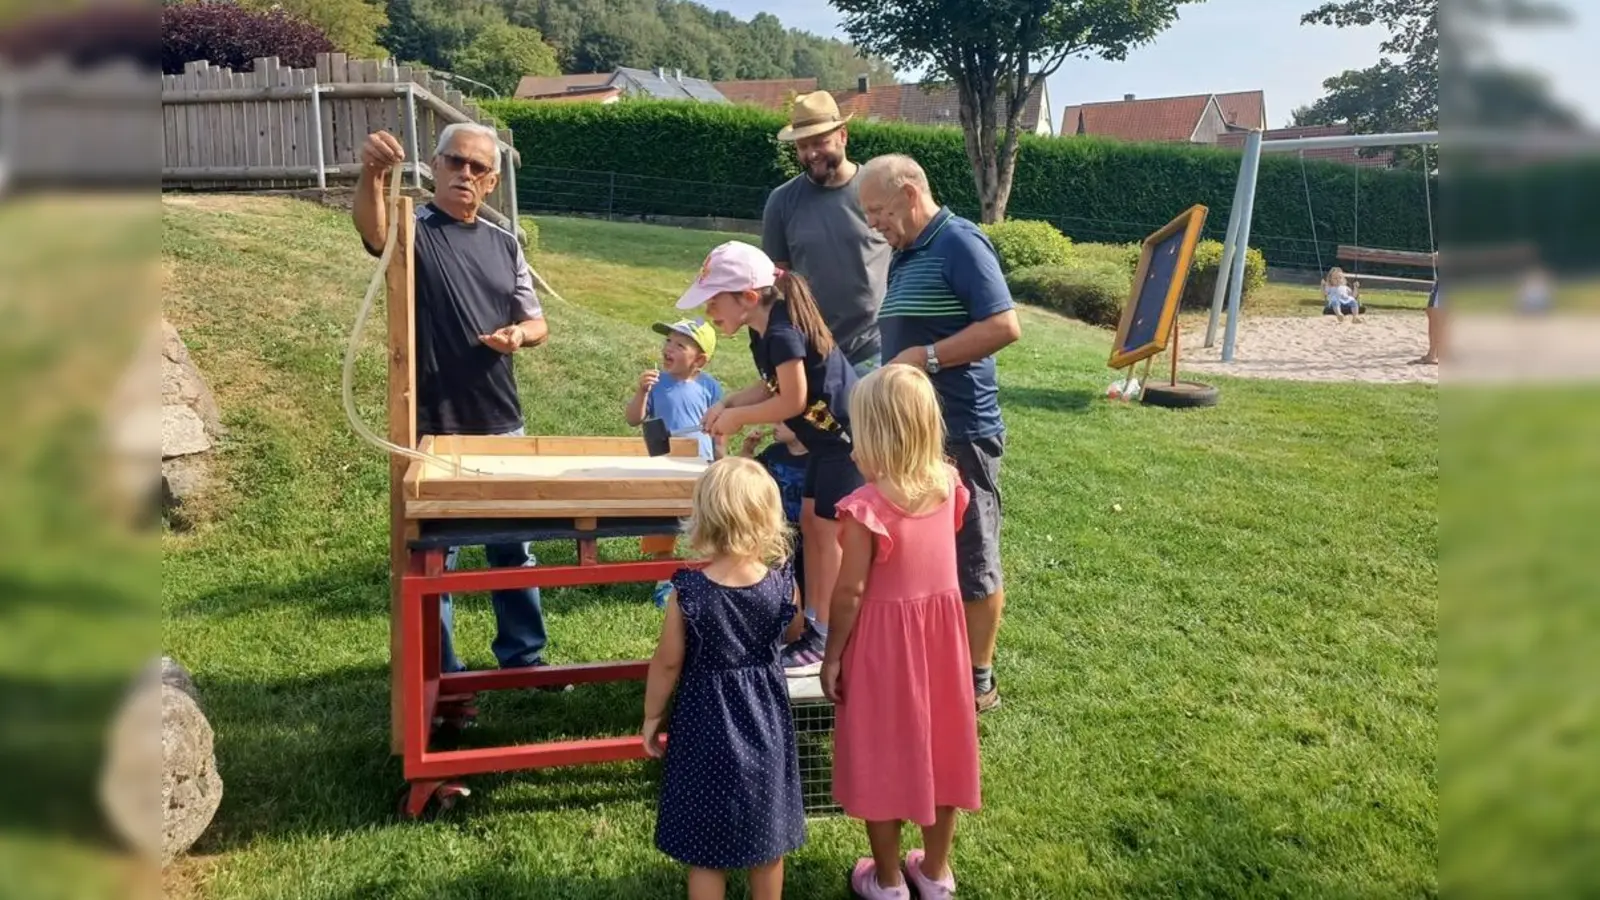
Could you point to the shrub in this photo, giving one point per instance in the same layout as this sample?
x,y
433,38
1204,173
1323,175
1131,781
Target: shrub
x,y
1023,244
233,38
1202,282
1124,255
1092,292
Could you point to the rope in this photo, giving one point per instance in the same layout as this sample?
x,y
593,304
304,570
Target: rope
x,y
1427,194
1357,239
1310,214
391,239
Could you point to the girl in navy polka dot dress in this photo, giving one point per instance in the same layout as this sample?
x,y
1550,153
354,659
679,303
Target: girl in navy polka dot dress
x,y
730,789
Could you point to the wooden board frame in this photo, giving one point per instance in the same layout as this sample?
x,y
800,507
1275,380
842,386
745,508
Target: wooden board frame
x,y
1189,223
520,495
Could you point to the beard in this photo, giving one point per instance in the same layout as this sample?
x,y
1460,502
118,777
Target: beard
x,y
824,165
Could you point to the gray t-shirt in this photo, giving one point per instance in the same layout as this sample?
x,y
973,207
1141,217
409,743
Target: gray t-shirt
x,y
822,233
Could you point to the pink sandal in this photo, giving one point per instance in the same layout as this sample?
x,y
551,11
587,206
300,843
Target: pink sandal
x,y
927,888
864,882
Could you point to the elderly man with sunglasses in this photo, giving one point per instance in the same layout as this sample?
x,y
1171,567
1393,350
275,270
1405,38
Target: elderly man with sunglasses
x,y
475,306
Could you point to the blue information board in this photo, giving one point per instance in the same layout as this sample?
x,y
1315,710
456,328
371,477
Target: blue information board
x,y
1163,271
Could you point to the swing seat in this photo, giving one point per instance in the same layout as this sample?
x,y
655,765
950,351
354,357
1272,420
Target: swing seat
x,y
1361,309
1416,258
1412,258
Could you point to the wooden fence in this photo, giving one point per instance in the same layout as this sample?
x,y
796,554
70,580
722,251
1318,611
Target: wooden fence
x,y
62,125
284,128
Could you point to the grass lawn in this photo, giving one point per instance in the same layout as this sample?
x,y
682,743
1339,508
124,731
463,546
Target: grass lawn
x,y
1226,688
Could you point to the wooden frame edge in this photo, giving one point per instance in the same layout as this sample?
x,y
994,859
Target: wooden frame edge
x,y
1191,222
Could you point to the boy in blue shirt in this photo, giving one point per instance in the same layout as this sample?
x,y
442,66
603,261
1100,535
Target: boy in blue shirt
x,y
679,394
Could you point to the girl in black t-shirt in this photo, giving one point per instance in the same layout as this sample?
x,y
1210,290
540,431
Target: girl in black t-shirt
x,y
805,384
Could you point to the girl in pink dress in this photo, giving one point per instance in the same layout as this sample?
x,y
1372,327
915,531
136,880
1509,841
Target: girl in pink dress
x,y
897,665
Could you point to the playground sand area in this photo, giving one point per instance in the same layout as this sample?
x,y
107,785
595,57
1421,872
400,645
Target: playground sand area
x,y
1378,349
1482,348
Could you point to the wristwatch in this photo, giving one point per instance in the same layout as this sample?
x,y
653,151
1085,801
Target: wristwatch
x,y
933,359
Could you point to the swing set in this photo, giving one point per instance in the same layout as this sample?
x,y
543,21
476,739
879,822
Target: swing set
x,y
1230,275
1355,254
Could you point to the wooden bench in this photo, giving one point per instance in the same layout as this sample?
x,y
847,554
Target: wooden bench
x,y
1410,258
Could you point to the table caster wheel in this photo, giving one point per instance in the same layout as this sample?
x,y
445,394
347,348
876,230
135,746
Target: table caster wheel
x,y
428,799
456,713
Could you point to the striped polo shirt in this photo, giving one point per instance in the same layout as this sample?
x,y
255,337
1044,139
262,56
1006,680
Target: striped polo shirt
x,y
945,281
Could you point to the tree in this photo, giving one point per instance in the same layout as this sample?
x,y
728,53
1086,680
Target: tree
x,y
997,53
231,37
434,32
1401,91
501,54
352,25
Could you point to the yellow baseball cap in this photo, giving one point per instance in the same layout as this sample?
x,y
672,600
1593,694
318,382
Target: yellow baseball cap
x,y
697,330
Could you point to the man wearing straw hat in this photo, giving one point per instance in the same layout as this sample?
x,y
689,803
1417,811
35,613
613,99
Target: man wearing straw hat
x,y
813,224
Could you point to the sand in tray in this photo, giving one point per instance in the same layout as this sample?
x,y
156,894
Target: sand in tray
x,y
610,468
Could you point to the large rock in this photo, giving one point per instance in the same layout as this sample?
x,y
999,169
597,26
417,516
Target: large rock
x,y
181,384
160,787
191,424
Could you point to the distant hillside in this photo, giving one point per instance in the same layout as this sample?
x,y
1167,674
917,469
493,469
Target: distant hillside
x,y
599,35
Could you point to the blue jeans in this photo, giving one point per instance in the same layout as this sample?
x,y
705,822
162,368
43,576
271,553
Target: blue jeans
x,y
520,635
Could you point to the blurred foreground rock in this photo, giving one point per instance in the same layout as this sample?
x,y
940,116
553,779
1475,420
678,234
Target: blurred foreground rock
x,y
160,787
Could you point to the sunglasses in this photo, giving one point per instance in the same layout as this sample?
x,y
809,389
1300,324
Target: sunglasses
x,y
473,167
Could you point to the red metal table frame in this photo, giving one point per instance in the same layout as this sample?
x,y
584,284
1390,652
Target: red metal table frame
x,y
427,692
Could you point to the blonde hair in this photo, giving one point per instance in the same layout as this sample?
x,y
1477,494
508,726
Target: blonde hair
x,y
898,431
738,512
1336,276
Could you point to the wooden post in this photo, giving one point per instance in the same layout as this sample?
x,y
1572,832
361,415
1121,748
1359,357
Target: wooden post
x,y
1174,351
403,432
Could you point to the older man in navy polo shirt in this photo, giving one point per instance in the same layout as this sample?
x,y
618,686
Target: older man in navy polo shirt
x,y
947,311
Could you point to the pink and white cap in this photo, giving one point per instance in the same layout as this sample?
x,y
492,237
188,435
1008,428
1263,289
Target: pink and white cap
x,y
734,266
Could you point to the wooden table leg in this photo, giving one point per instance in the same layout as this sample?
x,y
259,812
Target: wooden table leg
x,y
588,548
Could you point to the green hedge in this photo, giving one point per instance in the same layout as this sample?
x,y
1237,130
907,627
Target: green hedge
x,y
1091,292
1096,280
676,158
1021,244
1202,283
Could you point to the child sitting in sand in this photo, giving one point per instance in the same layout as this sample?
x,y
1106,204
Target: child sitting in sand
x,y
1341,300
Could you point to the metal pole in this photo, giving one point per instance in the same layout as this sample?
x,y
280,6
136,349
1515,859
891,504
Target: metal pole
x,y
316,135
1228,242
411,134
1342,141
1252,166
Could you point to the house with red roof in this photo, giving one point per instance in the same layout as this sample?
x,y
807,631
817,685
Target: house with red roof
x,y
1194,119
772,93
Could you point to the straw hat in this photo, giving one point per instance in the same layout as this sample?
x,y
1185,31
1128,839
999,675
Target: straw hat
x,y
813,114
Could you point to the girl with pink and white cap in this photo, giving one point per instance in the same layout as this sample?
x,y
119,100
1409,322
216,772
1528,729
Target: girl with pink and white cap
x,y
805,384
